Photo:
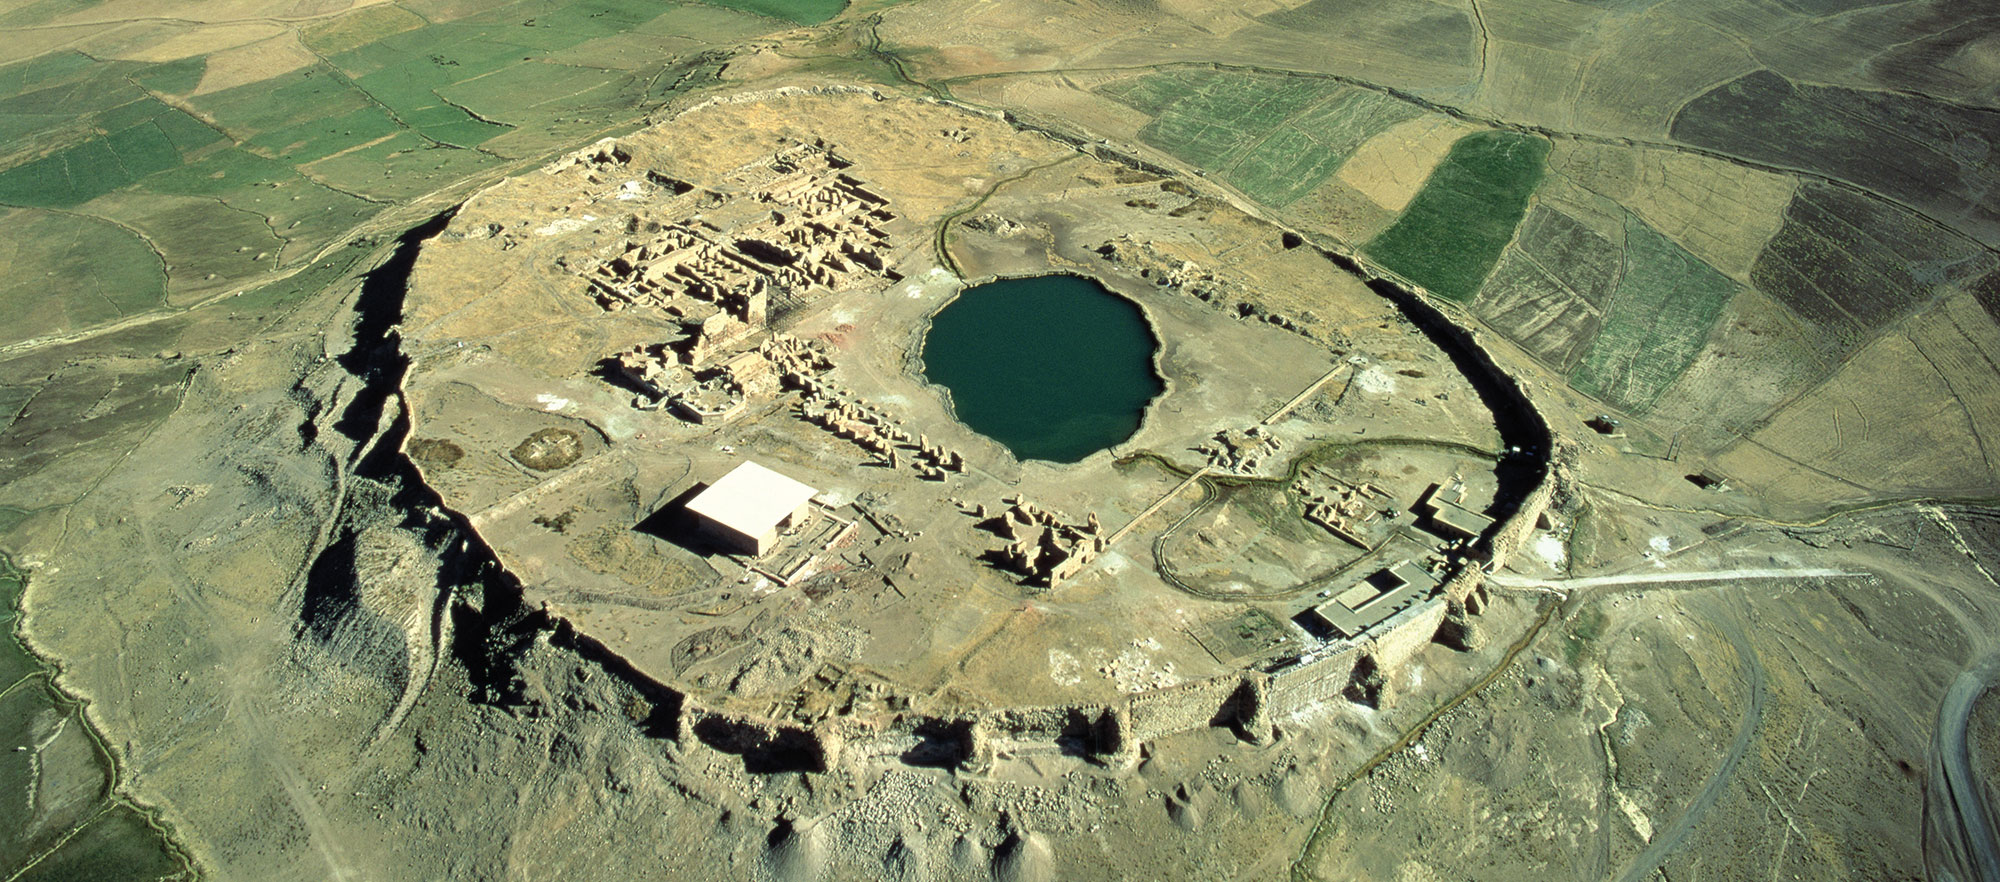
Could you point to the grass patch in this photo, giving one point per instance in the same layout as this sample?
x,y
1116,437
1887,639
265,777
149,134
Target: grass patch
x,y
43,71
1223,114
78,174
402,167
119,843
15,662
63,99
324,136
174,77
68,271
513,94
1659,317
302,210
1452,233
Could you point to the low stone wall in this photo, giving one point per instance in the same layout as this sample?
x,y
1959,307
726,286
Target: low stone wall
x,y
765,745
1061,728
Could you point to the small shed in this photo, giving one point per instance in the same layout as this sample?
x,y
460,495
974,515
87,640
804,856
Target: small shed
x,y
749,507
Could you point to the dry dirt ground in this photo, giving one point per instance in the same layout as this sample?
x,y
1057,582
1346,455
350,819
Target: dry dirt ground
x,y
297,658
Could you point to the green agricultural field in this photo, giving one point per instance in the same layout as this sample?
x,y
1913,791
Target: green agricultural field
x,y
100,838
1658,319
1452,233
256,178
360,27
1273,137
298,208
525,92
805,12
174,77
68,271
154,138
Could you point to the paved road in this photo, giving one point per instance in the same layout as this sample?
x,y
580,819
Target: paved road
x,y
1965,816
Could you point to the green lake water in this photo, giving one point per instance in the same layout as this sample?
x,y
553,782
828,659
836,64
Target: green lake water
x,y
1054,367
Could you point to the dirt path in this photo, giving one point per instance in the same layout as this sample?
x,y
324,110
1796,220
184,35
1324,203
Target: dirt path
x,y
1647,864
1957,794
1509,580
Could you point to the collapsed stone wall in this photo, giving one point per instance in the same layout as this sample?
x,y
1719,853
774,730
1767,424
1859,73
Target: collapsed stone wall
x,y
1507,539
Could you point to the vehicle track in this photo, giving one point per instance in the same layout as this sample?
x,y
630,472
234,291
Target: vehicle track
x,y
1662,846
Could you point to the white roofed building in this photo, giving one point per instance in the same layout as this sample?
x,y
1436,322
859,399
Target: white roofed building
x,y
750,506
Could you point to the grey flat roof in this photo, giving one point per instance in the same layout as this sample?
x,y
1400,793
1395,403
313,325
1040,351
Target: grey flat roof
x,y
1458,517
1416,584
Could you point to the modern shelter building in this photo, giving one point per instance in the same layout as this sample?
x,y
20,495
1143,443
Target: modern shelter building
x,y
1453,520
1371,600
747,509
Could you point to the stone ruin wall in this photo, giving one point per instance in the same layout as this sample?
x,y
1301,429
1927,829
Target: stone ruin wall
x,y
1309,684
1185,707
1252,701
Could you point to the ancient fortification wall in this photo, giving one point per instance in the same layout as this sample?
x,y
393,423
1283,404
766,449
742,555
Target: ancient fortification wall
x,y
1309,683
1184,707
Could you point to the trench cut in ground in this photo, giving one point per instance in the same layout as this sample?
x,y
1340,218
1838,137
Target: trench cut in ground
x,y
1054,367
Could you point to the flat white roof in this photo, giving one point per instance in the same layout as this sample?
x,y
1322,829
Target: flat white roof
x,y
751,499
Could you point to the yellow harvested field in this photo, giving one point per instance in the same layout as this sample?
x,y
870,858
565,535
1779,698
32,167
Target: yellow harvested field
x,y
1680,60
203,40
1221,19
1721,212
1905,412
1961,340
1757,355
1530,81
361,27
1391,167
208,11
250,64
1341,210
1061,97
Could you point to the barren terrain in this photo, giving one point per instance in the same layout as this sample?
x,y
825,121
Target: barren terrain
x,y
335,544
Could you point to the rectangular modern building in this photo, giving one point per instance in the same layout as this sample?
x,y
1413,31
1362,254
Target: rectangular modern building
x,y
747,509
